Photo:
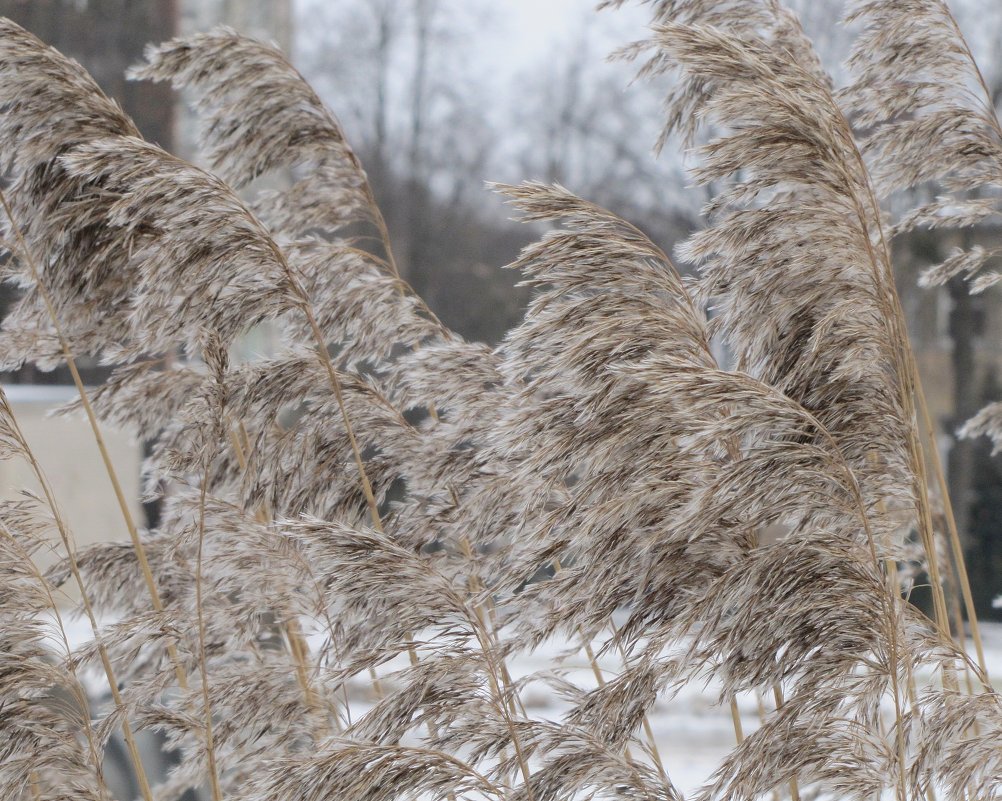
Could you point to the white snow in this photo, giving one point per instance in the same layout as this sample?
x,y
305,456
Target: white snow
x,y
692,730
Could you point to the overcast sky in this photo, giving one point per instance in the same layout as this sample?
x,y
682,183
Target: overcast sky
x,y
525,29
507,47
536,24
519,32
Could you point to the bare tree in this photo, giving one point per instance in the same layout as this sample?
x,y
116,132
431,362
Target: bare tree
x,y
399,76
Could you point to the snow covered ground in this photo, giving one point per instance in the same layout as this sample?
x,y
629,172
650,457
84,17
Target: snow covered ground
x,y
693,731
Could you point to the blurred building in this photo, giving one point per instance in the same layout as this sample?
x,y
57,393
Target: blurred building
x,y
68,453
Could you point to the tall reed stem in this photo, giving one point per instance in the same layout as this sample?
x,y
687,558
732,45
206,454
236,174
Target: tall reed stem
x,y
951,523
210,748
777,694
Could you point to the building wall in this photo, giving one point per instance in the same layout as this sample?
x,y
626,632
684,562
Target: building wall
x,y
68,453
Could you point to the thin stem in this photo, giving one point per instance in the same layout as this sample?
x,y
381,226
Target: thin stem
x,y
210,749
777,694
951,524
380,221
68,545
905,365
477,585
76,688
325,360
855,176
645,720
498,676
600,678
496,680
760,707
320,344
501,705
888,598
739,734
297,645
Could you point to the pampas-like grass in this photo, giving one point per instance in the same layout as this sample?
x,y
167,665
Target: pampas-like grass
x,y
362,530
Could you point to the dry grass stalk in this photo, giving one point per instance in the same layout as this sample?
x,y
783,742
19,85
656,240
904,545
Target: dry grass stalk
x,y
305,515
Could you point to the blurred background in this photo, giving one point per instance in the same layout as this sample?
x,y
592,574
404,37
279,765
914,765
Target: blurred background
x,y
439,96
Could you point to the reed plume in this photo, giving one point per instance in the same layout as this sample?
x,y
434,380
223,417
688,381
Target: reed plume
x,y
364,529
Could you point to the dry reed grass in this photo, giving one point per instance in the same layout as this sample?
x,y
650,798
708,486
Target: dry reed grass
x,y
390,489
